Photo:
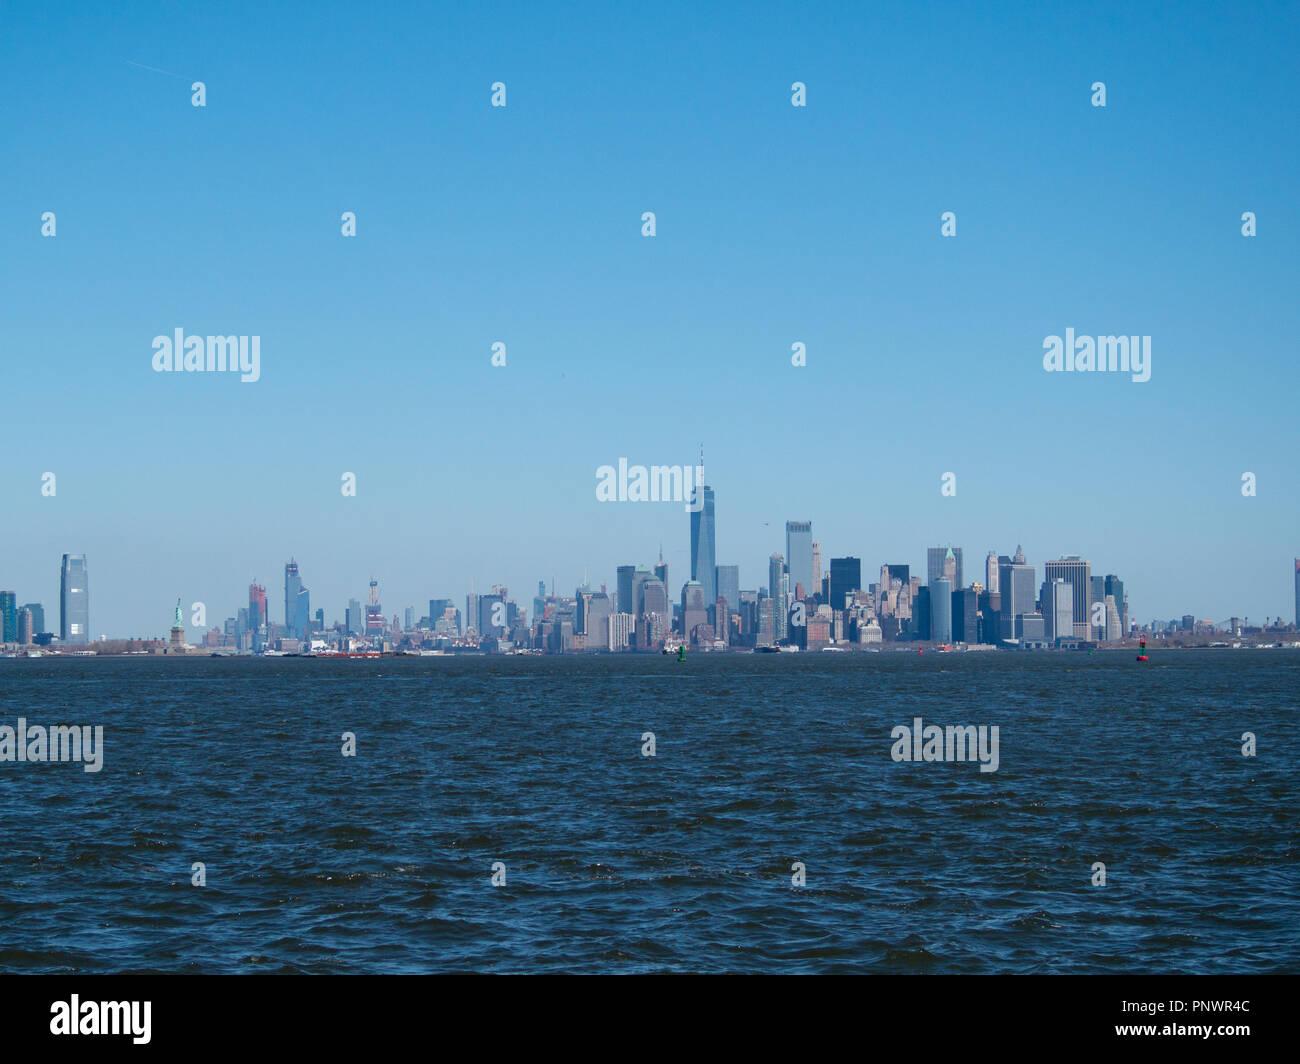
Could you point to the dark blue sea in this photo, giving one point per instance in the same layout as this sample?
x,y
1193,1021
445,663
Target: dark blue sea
x,y
617,862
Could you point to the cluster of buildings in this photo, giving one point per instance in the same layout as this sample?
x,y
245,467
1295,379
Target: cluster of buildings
x,y
24,625
806,603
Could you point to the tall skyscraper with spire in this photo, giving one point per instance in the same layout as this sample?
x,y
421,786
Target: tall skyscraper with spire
x,y
703,544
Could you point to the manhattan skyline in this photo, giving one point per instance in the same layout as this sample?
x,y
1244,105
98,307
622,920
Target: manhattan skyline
x,y
521,225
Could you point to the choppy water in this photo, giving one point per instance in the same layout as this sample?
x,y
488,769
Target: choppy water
x,y
620,863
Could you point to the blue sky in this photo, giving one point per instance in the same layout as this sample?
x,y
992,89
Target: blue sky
x,y
522,225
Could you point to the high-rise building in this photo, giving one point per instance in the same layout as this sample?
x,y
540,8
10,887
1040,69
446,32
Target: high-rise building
x,y
965,615
816,589
654,598
776,591
292,585
620,630
921,613
74,601
438,608
941,610
640,577
991,573
626,602
799,557
729,589
766,628
596,622
302,614
374,613
661,570
492,615
38,616
353,619
1113,629
1096,594
703,546
256,607
846,577
1057,598
1114,587
694,612
1078,574
8,617
1016,587
26,632
943,563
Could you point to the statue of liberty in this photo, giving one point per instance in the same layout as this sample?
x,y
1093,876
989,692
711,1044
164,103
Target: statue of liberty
x,y
178,623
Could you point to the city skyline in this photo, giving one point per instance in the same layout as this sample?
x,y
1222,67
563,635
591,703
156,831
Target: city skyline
x,y
780,230
643,586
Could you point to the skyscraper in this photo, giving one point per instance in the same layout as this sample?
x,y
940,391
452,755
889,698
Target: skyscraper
x,y
374,613
776,591
292,585
74,601
8,617
654,598
943,563
728,588
799,556
846,576
965,615
1115,588
694,613
941,610
991,573
1078,574
1016,583
703,547
595,624
661,569
302,614
626,602
256,607
1057,599
38,616
640,577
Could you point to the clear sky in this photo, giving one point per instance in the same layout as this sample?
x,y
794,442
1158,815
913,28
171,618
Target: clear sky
x,y
522,224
